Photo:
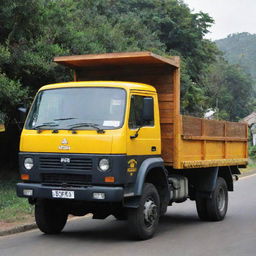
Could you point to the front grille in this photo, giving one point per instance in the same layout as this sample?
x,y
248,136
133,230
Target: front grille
x,y
70,179
74,164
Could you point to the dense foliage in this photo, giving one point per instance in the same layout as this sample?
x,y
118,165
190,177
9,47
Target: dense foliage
x,y
34,31
229,90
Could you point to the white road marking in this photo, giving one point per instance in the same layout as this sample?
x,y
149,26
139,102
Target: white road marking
x,y
246,177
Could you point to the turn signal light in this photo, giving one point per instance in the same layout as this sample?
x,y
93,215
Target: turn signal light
x,y
25,177
110,179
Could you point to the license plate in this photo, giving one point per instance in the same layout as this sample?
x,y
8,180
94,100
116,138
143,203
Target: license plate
x,y
63,194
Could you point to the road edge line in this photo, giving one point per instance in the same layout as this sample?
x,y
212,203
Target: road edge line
x,y
247,176
31,226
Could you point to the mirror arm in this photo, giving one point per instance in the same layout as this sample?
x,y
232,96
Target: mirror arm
x,y
136,134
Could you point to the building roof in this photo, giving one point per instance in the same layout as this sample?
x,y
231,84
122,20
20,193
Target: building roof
x,y
250,119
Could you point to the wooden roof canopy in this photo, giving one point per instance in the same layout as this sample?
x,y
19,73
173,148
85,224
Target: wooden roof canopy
x,y
116,59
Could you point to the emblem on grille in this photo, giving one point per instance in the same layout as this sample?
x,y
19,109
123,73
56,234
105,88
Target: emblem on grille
x,y
65,160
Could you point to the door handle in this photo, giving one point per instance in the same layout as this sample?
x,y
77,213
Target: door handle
x,y
153,148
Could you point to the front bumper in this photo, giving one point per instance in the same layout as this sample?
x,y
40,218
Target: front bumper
x,y
112,194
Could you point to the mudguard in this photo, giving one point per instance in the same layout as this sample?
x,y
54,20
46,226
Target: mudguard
x,y
146,166
205,180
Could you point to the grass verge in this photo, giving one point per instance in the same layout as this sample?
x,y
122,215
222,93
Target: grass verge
x,y
13,208
250,167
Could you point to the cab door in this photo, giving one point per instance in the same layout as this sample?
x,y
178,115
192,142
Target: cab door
x,y
143,137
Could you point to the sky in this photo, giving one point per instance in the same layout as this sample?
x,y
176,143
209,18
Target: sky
x,y
231,16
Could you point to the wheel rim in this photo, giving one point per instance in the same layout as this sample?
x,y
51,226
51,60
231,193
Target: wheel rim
x,y
150,212
221,200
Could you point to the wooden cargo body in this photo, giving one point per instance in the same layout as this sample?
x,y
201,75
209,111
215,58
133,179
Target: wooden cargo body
x,y
187,142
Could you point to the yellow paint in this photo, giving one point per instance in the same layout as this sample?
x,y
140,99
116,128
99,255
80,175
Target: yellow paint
x,y
197,153
125,85
148,136
89,141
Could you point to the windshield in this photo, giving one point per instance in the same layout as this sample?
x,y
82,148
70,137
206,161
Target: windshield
x,y
80,108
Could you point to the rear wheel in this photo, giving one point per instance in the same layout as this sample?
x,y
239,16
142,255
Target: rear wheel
x,y
143,220
201,206
50,217
218,205
214,208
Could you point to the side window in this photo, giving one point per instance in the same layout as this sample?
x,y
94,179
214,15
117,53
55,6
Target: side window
x,y
136,111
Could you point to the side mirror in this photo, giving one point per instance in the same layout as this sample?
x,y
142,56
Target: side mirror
x,y
22,114
148,109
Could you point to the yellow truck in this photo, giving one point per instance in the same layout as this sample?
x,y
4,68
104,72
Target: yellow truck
x,y
113,142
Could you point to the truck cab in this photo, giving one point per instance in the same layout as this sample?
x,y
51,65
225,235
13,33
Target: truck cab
x,y
86,141
89,133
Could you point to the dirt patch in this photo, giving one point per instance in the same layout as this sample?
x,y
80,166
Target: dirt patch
x,y
5,225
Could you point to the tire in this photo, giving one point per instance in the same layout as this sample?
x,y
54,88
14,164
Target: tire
x,y
120,214
218,205
143,221
50,218
201,207
214,208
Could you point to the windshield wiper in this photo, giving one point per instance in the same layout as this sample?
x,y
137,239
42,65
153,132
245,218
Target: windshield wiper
x,y
48,124
63,119
73,126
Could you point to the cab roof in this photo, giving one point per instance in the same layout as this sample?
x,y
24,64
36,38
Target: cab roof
x,y
116,84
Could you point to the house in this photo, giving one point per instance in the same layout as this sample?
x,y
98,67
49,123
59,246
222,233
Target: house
x,y
251,121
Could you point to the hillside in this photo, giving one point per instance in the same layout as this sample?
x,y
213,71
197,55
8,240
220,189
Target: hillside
x,y
240,49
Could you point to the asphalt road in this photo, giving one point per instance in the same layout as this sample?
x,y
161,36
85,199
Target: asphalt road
x,y
180,233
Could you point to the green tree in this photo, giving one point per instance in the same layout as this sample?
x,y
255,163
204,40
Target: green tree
x,y
229,90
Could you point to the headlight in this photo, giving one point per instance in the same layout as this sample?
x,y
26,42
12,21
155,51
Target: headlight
x,y
104,165
28,163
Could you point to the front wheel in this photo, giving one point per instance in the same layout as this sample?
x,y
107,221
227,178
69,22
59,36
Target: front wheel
x,y
50,218
143,221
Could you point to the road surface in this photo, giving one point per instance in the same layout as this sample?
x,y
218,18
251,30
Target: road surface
x,y
180,233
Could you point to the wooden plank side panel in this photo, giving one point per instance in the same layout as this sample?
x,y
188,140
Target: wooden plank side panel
x,y
214,150
165,97
214,128
141,73
235,150
166,110
191,126
236,130
167,150
167,131
222,143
